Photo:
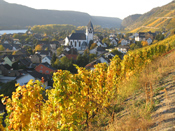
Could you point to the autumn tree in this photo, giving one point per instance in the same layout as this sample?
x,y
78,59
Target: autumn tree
x,y
144,43
59,50
93,46
38,47
1,48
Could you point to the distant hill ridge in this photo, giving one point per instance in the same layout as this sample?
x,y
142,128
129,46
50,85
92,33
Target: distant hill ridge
x,y
158,19
15,16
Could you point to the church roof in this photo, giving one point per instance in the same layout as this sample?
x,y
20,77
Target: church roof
x,y
90,25
78,36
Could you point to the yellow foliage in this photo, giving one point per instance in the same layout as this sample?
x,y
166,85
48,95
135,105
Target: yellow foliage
x,y
38,47
161,23
75,98
156,21
144,43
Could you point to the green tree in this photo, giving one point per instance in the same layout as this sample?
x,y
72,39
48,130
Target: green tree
x,y
82,60
116,52
2,48
90,43
59,50
29,50
8,88
92,57
54,58
159,37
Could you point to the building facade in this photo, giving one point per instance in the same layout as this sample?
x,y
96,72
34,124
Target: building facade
x,y
80,41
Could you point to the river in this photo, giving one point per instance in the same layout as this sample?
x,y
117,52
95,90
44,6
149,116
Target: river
x,y
12,31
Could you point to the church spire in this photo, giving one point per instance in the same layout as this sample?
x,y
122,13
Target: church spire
x,y
90,25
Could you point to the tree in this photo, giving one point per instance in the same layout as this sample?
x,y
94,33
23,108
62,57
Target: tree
x,y
116,52
93,46
82,60
59,50
14,53
2,48
144,43
65,62
159,37
86,52
29,50
92,57
107,41
90,43
136,45
53,59
8,88
38,47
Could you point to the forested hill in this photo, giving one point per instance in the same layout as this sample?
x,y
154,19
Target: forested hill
x,y
14,15
157,19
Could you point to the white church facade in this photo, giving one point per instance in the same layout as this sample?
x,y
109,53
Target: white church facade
x,y
80,41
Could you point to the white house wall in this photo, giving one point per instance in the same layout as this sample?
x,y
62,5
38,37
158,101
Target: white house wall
x,y
45,59
25,79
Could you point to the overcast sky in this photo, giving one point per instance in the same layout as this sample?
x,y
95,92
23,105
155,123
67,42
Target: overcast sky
x,y
109,8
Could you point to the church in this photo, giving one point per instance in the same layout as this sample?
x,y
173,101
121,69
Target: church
x,y
80,41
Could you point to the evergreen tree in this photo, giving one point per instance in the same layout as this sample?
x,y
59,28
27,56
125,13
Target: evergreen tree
x,y
53,59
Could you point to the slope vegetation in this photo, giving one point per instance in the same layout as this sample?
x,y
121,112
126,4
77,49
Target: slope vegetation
x,y
158,19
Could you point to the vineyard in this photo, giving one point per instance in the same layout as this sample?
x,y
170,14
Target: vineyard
x,y
76,99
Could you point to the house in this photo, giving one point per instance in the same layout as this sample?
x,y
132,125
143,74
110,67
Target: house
x,y
71,56
140,37
46,59
91,65
80,40
34,75
97,50
44,53
54,45
45,68
7,46
22,52
125,42
10,59
114,41
6,74
36,58
99,43
123,48
16,41
16,47
24,62
149,40
105,58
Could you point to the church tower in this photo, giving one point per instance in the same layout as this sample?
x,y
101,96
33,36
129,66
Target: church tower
x,y
89,32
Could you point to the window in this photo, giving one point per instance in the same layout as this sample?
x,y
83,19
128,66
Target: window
x,y
75,43
47,72
40,71
79,43
41,67
71,43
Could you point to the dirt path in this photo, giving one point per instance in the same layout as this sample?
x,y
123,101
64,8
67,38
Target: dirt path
x,y
164,116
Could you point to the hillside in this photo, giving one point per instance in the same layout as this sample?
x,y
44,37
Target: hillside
x,y
130,20
18,16
158,19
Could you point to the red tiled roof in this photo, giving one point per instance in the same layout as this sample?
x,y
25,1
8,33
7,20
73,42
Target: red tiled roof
x,y
71,56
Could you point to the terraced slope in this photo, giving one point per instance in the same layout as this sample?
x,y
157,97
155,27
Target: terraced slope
x,y
160,18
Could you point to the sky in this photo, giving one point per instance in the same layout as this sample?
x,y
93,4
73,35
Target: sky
x,y
107,8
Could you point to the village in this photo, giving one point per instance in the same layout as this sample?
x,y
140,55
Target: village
x,y
40,56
